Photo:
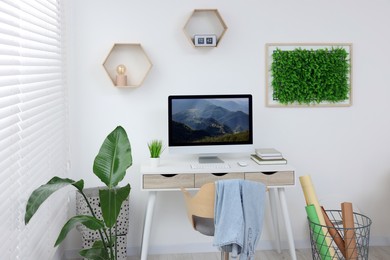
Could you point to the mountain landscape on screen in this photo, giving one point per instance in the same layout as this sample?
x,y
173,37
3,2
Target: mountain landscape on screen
x,y
210,121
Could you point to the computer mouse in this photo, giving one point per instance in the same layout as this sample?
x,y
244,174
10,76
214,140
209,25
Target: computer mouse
x,y
242,163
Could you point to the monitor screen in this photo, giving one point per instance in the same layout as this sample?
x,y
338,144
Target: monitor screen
x,y
210,121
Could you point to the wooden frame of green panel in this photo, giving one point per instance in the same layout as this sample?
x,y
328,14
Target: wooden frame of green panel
x,y
308,74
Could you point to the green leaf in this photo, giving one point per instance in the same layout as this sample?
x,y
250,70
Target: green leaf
x,y
97,252
88,221
111,202
155,148
114,158
39,195
94,254
98,244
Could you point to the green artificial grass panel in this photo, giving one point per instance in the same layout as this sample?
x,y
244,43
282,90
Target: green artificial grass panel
x,y
310,76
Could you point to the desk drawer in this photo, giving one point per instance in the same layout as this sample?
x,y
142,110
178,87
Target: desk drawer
x,y
278,178
168,181
203,178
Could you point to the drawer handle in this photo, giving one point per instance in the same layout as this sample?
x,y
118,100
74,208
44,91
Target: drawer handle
x,y
168,175
219,174
268,173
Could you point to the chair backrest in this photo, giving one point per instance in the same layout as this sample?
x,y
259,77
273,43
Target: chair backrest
x,y
200,207
200,211
201,204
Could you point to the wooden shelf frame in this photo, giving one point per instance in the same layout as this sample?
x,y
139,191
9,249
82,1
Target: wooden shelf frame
x,y
203,22
134,57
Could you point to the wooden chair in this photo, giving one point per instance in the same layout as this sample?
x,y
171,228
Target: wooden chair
x,y
200,211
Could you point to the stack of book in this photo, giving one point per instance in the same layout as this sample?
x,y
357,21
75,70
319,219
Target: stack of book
x,y
268,156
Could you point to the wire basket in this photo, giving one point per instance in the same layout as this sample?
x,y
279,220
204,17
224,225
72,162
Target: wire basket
x,y
337,242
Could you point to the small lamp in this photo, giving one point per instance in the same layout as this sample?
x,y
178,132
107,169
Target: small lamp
x,y
121,77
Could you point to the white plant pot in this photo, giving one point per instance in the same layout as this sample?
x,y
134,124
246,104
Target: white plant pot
x,y
154,162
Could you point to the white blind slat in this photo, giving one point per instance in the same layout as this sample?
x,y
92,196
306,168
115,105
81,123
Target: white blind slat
x,y
9,71
9,34
8,81
33,139
9,160
5,133
8,96
9,121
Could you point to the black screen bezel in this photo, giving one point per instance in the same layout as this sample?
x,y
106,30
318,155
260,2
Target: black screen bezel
x,y
227,96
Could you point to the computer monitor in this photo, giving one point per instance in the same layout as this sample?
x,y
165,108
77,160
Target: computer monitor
x,y
208,125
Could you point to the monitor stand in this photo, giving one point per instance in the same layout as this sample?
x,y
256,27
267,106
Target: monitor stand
x,y
209,159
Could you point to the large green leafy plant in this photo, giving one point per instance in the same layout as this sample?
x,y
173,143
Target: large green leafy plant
x,y
110,165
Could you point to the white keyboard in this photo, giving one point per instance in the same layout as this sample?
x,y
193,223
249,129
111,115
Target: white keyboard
x,y
210,166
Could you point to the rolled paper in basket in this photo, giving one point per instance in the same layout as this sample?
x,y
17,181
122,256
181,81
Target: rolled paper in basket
x,y
317,235
337,238
349,231
311,198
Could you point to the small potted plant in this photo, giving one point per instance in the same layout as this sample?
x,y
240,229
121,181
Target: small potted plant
x,y
155,149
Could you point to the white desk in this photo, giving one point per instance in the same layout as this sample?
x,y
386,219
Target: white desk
x,y
171,175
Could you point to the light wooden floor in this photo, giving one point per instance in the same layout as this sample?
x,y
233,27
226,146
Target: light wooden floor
x,y
375,253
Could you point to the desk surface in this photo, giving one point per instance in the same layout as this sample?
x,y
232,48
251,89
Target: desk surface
x,y
174,174
183,166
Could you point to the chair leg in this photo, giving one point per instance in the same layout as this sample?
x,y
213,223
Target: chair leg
x,y
224,255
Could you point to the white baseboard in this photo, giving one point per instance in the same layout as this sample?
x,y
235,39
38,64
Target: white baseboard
x,y
208,247
380,241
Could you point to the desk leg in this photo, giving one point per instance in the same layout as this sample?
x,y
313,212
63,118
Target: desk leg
x,y
148,224
287,222
275,220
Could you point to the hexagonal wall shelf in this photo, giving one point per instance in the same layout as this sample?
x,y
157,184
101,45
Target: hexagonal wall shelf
x,y
133,57
205,22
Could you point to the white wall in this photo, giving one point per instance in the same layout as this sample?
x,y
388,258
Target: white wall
x,y
345,150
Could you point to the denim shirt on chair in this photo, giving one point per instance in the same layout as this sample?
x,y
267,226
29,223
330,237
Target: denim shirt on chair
x,y
238,216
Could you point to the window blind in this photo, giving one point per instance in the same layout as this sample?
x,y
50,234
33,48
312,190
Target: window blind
x,y
33,124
